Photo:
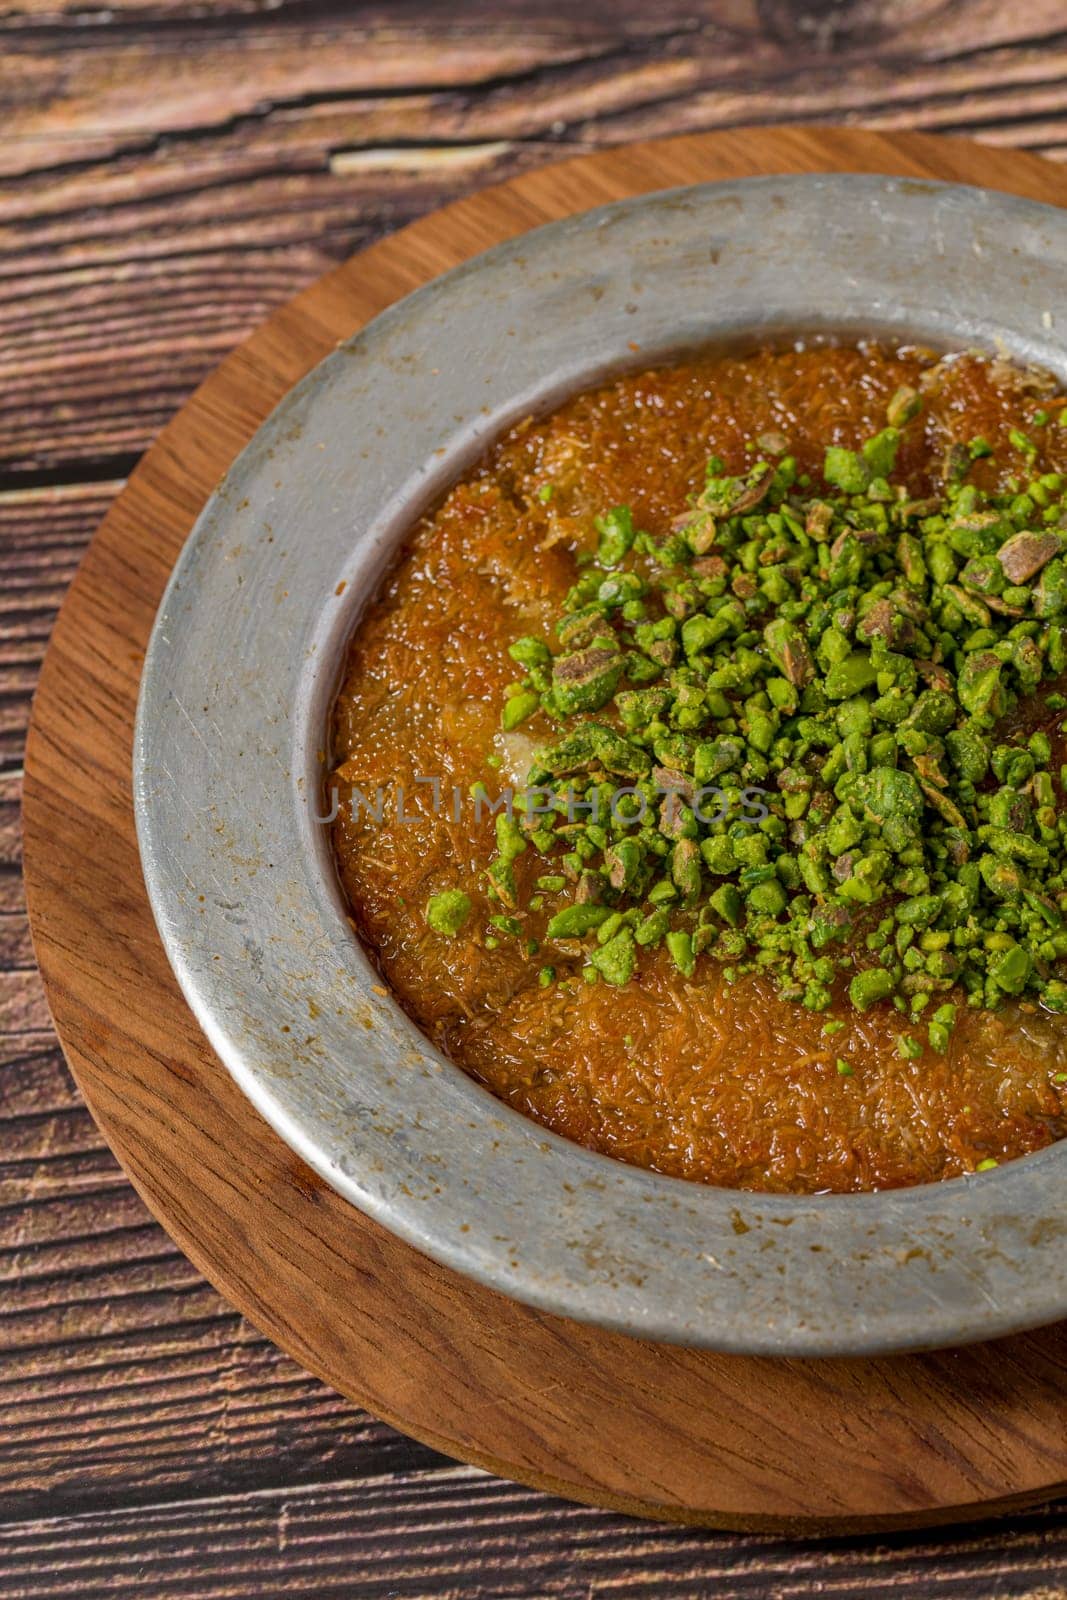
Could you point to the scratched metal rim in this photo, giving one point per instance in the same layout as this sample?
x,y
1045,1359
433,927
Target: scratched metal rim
x,y
236,689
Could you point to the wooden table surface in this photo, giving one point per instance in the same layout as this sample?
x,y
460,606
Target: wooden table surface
x,y
169,173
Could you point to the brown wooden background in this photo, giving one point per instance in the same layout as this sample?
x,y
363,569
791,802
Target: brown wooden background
x,y
169,173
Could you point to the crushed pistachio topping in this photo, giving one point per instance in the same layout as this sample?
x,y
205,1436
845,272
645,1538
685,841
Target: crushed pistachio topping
x,y
786,730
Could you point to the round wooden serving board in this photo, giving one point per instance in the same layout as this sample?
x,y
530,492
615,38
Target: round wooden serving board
x,y
659,1431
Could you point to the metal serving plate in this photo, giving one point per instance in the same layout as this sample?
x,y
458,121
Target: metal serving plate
x,y
234,705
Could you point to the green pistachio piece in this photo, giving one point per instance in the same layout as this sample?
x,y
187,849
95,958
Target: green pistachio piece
x,y
680,946
920,911
1024,555
719,855
880,453
1011,971
591,743
845,470
448,911
905,404
530,652
1054,996
586,679
980,687
617,534
713,757
517,708
788,649
573,922
969,753
1050,596
651,930
768,899
625,862
1003,881
870,986
848,677
616,960
727,904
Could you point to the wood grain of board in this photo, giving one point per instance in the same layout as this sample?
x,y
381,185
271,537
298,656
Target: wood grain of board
x,y
127,267
679,1434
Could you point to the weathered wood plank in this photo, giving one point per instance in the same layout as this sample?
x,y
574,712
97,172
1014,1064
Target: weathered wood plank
x,y
452,1532
23,1008
63,14
123,1376
181,1407
43,533
905,50
16,950
143,235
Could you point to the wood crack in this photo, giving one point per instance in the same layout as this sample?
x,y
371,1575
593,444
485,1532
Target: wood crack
x,y
69,474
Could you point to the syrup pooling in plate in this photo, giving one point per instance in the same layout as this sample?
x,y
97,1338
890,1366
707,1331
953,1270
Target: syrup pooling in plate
x,y
697,1076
